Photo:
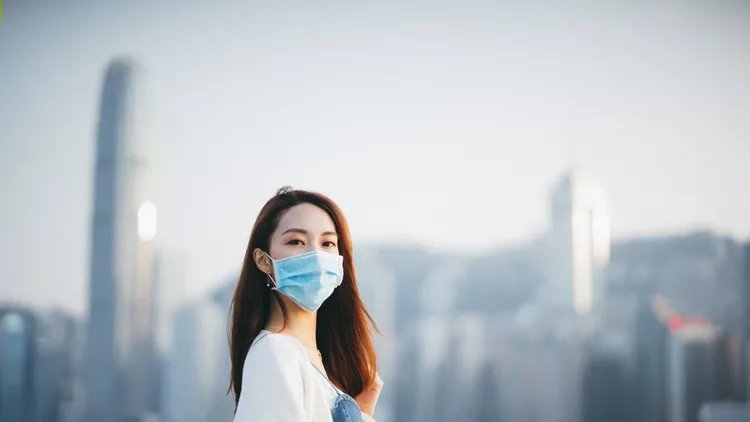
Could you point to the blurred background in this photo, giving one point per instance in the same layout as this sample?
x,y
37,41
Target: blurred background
x,y
550,201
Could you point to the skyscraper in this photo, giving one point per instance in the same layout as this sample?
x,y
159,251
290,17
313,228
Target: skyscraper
x,y
377,287
17,365
697,368
725,412
606,381
579,243
745,337
123,226
57,344
685,269
652,342
197,376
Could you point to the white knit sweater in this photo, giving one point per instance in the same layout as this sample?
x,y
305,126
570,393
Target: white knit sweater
x,y
280,384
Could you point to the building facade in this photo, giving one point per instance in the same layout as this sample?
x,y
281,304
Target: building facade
x,y
579,244
120,342
17,365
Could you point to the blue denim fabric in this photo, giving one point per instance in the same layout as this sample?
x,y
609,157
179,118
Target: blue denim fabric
x,y
346,410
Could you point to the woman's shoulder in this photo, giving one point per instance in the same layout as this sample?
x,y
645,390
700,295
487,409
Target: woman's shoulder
x,y
278,347
273,381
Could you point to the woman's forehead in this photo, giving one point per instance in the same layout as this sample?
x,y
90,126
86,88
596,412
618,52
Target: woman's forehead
x,y
306,217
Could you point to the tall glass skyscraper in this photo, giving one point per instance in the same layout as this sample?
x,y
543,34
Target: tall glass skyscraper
x,y
17,353
698,370
120,344
579,243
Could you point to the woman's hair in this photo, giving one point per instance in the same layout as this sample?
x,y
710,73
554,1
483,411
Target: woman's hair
x,y
344,327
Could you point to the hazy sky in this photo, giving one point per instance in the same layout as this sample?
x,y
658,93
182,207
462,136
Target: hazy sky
x,y
439,122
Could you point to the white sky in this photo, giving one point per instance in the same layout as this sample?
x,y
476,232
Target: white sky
x,y
439,122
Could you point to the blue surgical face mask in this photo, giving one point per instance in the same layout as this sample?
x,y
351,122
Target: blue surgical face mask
x,y
308,279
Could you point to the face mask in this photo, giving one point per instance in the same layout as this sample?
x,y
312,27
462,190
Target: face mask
x,y
308,279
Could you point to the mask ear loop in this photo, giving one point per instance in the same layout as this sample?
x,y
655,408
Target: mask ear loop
x,y
269,279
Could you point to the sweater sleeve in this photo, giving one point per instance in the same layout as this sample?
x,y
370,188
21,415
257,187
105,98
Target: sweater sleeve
x,y
272,384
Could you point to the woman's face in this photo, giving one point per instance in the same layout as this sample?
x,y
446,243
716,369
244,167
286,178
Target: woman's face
x,y
303,228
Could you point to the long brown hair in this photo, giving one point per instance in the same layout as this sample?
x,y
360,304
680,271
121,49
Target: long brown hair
x,y
344,327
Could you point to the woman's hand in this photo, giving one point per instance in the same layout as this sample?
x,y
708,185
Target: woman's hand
x,y
369,396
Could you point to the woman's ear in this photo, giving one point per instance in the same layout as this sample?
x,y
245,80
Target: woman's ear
x,y
263,261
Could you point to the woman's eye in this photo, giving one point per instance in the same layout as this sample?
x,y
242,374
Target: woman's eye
x,y
329,244
295,242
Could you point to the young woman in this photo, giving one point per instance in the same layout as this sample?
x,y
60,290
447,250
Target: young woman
x,y
301,338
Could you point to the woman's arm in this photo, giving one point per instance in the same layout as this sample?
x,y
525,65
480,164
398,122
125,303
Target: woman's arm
x,y
369,398
271,383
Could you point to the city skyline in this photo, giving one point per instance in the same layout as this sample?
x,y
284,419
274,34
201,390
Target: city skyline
x,y
548,202
559,368
454,154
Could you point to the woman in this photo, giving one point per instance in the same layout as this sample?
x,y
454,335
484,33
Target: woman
x,y
301,338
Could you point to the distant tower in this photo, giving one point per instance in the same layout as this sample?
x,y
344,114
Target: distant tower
x,y
697,370
579,243
377,287
745,336
120,342
18,396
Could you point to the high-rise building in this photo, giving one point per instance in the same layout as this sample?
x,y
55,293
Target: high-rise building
x,y
169,294
74,410
744,341
487,394
17,365
377,287
198,375
456,394
607,381
725,412
651,337
541,376
407,263
681,363
422,345
687,270
579,244
120,340
38,366
697,368
57,391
